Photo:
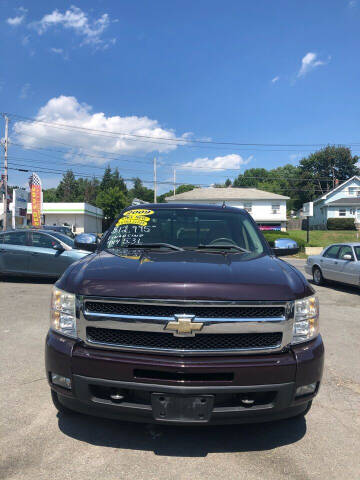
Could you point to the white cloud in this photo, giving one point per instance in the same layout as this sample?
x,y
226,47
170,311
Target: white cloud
x,y
24,91
15,21
275,79
68,112
18,19
309,62
75,19
232,161
60,51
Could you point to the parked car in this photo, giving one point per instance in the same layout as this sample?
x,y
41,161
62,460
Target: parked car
x,y
184,315
61,229
33,252
339,262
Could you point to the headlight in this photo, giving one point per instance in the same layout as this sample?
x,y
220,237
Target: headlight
x,y
63,312
306,319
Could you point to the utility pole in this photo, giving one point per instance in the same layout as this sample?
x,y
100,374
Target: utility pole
x,y
5,196
155,189
174,181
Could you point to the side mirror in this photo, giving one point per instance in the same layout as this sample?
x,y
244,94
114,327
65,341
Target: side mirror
x,y
347,256
285,246
86,241
58,247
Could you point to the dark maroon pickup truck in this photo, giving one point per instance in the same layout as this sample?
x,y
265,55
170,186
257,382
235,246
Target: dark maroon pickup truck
x,y
184,315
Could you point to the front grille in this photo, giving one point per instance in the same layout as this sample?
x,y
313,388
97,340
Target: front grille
x,y
138,309
161,341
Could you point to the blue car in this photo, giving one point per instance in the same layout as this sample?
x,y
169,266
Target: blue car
x,y
42,253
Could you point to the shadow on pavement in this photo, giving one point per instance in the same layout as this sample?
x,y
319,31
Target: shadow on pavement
x,y
35,280
338,287
182,441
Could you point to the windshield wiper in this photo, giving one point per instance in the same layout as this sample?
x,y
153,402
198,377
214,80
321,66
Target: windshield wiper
x,y
224,247
154,245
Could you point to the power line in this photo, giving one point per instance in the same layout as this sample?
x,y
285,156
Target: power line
x,y
281,178
77,174
246,177
69,165
175,140
80,154
178,165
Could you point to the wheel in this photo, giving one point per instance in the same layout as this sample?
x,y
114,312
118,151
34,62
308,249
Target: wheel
x,y
59,406
317,276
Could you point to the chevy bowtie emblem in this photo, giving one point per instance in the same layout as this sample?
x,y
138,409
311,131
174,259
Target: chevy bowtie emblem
x,y
183,326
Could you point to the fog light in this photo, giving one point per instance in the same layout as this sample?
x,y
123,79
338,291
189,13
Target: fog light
x,y
305,390
61,381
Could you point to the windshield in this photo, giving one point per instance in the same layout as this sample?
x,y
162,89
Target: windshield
x,y
65,230
185,228
64,238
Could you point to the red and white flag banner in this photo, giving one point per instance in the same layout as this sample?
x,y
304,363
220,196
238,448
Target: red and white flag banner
x,y
35,194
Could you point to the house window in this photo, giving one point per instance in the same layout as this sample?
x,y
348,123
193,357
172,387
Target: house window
x,y
352,191
275,208
248,206
352,211
342,212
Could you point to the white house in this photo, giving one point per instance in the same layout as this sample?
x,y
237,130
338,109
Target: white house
x,y
341,202
82,217
268,209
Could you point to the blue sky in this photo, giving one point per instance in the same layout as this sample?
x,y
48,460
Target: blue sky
x,y
250,72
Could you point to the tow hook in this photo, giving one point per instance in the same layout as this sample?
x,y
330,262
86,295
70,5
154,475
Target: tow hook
x,y
117,397
248,402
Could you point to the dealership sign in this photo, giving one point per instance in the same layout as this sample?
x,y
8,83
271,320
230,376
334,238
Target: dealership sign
x,y
35,195
20,201
308,209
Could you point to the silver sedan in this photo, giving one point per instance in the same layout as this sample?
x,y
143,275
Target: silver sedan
x,y
339,262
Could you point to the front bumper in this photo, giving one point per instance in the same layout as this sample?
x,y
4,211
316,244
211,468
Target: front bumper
x,y
271,380
308,269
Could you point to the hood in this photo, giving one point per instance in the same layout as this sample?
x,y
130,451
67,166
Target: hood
x,y
185,276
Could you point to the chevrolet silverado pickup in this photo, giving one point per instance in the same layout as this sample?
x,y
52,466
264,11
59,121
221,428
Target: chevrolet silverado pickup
x,y
184,315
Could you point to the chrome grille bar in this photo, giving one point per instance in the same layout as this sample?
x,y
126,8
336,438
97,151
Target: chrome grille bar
x,y
145,323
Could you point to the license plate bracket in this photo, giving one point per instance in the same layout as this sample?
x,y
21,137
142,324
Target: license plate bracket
x,y
182,408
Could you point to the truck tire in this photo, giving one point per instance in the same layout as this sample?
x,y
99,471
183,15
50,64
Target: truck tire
x,y
318,276
59,406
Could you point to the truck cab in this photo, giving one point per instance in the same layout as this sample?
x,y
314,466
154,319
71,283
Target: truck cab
x,y
184,315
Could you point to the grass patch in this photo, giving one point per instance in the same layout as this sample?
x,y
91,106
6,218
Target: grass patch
x,y
318,238
322,238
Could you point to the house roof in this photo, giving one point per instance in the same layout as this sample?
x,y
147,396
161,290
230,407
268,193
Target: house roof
x,y
323,197
221,194
346,201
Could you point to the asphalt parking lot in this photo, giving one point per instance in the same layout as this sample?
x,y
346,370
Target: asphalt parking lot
x,y
37,443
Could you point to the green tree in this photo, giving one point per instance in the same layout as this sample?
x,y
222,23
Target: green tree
x,y
113,179
67,190
112,201
141,192
107,181
180,189
118,181
88,190
329,165
50,195
251,178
